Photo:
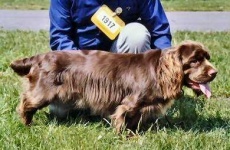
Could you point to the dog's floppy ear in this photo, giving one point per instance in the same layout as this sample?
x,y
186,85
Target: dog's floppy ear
x,y
187,49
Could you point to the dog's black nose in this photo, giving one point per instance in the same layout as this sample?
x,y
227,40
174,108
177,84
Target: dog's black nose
x,y
212,72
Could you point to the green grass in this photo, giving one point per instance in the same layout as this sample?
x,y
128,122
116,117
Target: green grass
x,y
24,4
169,5
196,5
198,123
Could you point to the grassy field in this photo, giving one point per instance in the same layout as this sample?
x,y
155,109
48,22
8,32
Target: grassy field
x,y
24,4
196,5
198,123
170,5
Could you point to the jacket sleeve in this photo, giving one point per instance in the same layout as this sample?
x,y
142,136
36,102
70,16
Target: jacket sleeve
x,y
61,26
154,18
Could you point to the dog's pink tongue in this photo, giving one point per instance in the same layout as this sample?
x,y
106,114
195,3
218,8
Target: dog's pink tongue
x,y
205,89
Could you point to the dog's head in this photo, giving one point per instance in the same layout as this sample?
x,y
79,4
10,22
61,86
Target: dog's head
x,y
198,71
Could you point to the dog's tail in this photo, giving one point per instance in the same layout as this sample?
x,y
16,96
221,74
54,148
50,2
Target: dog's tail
x,y
22,66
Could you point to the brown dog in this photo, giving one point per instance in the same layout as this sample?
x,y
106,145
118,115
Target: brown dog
x,y
128,88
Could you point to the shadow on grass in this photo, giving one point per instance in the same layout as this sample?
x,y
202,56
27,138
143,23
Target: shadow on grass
x,y
76,117
186,114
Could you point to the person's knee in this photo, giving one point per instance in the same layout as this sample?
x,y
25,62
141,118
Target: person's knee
x,y
134,38
136,33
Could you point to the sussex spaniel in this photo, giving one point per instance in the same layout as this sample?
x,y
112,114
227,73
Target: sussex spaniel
x,y
128,88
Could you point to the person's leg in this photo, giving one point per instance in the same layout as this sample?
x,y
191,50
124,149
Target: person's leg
x,y
134,38
61,110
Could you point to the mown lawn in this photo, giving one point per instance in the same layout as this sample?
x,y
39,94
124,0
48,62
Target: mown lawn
x,y
24,4
196,5
198,123
169,5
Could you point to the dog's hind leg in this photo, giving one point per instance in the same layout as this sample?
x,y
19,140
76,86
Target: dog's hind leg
x,y
29,105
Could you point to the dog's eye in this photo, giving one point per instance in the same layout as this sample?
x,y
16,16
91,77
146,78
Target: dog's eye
x,y
194,61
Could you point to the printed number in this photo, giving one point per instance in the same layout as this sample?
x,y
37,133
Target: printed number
x,y
108,22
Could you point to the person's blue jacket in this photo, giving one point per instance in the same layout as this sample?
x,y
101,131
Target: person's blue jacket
x,y
71,27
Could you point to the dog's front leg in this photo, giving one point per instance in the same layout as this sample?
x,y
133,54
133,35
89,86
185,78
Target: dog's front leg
x,y
127,114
